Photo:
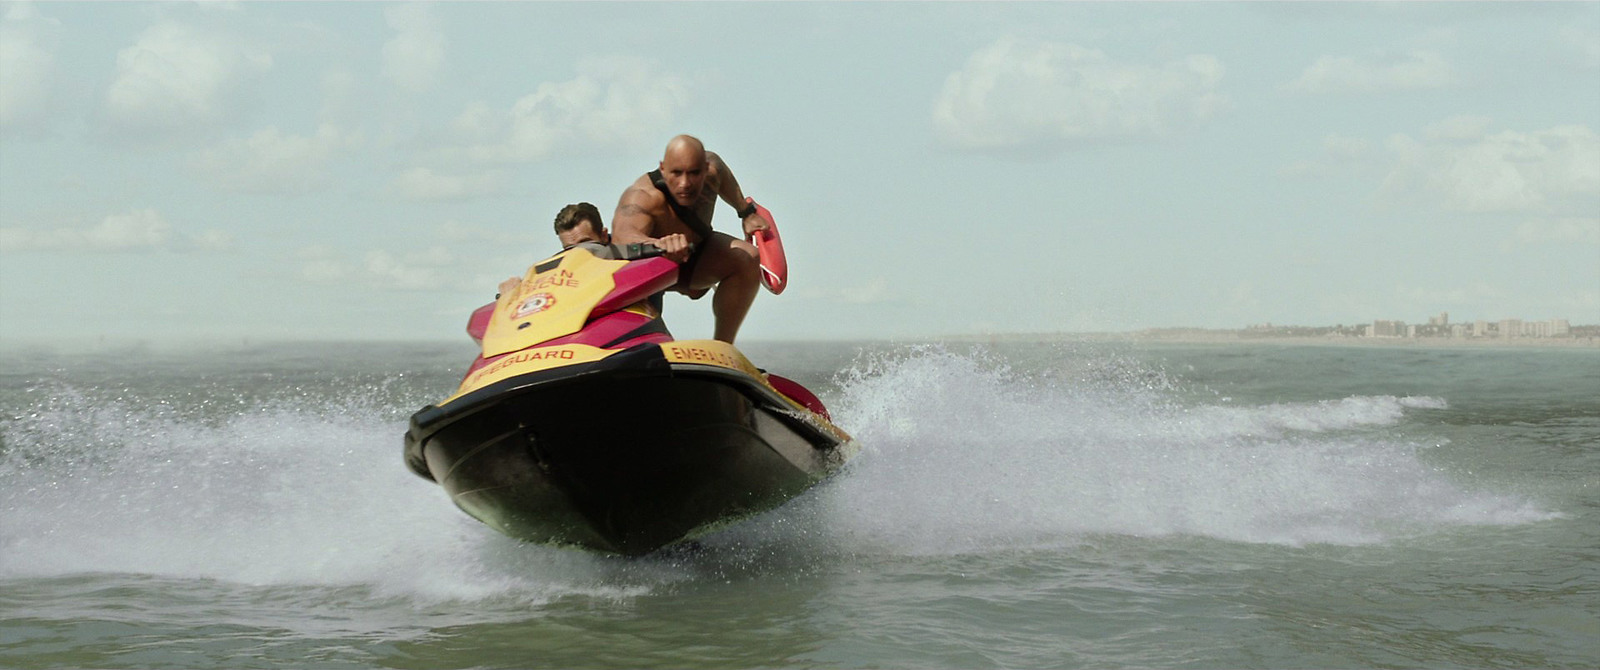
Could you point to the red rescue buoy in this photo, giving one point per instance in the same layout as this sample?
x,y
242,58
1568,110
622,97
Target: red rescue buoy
x,y
774,267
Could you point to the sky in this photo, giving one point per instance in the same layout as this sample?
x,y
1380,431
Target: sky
x,y
257,171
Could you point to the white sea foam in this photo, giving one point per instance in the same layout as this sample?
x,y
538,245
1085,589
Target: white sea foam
x,y
273,496
961,453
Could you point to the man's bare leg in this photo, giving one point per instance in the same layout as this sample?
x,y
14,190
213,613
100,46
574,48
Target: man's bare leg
x,y
732,302
732,266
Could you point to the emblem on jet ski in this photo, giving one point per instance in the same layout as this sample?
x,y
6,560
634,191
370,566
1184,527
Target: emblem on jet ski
x,y
535,303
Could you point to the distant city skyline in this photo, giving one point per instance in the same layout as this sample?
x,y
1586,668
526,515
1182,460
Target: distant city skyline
x,y
1440,326
1440,319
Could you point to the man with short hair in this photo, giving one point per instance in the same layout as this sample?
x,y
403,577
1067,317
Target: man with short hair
x,y
580,223
679,198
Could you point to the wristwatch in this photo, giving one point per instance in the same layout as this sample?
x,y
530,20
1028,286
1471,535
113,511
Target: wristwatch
x,y
747,211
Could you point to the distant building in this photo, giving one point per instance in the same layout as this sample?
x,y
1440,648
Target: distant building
x,y
1438,327
1383,328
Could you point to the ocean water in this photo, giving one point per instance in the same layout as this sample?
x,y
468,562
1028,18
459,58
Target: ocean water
x,y
1020,505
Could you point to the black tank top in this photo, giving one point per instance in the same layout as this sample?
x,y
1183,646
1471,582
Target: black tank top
x,y
698,227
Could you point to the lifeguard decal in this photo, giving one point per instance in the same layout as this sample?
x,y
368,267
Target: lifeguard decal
x,y
709,352
535,303
532,360
723,355
549,304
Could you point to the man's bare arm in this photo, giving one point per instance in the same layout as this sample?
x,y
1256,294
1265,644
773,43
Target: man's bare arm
x,y
728,189
727,185
632,221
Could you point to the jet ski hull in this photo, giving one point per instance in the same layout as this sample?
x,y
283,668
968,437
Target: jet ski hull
x,y
626,454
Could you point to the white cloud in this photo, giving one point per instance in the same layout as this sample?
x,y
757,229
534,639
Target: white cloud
x,y
142,228
219,6
1017,94
321,265
324,271
424,184
612,103
1564,231
212,240
271,161
28,43
136,231
479,122
176,76
1458,128
1554,170
515,236
428,269
414,271
414,57
1343,74
384,268
1339,153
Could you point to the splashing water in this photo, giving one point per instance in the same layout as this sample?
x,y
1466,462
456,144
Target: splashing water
x,y
280,495
961,453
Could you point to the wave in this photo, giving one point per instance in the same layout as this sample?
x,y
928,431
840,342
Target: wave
x,y
278,495
960,453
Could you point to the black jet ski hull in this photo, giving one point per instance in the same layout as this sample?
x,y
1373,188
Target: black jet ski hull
x,y
625,455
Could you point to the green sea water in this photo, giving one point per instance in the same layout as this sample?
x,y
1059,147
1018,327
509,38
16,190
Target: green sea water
x,y
1021,505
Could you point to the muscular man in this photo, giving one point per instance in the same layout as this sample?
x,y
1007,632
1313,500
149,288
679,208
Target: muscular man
x,y
679,198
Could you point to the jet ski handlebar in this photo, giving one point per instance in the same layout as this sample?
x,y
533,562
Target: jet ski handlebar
x,y
642,250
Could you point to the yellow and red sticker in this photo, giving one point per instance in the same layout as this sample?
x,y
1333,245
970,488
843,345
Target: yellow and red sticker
x,y
723,355
531,360
713,353
535,303
720,354
550,304
709,352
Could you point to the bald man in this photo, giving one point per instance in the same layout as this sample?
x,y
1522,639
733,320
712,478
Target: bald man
x,y
680,198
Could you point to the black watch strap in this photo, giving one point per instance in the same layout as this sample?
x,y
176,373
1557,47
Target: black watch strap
x,y
748,209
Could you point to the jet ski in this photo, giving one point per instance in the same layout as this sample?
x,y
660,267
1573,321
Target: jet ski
x,y
584,423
